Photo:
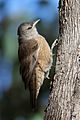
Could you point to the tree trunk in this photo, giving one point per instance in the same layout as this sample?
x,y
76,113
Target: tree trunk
x,y
64,100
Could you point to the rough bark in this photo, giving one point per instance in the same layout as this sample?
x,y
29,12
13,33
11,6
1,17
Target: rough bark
x,y
64,100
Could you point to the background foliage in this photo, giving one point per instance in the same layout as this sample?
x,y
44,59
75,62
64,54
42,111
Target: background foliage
x,y
14,100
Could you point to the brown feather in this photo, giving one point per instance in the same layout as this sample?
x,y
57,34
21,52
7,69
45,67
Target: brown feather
x,y
26,52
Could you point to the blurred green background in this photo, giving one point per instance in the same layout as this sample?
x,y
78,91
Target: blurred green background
x,y
14,100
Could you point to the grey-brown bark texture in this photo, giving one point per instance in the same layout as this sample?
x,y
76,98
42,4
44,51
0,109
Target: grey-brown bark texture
x,y
64,100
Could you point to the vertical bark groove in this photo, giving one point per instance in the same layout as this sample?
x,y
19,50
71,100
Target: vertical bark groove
x,y
64,100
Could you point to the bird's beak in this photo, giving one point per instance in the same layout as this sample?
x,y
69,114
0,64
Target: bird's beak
x,y
35,22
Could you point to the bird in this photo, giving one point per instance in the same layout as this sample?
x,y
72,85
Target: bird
x,y
35,58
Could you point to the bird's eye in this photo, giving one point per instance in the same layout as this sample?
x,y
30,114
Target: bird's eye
x,y
29,28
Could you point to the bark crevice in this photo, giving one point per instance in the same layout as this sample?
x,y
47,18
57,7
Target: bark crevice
x,y
64,100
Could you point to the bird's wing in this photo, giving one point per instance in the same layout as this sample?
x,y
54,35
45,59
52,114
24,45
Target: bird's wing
x,y
27,54
25,71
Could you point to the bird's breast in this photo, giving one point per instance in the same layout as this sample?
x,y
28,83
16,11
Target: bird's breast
x,y
45,54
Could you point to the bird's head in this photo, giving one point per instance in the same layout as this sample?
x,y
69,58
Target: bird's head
x,y
28,29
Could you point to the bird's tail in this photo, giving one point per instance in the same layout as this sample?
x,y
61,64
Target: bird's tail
x,y
35,85
32,89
